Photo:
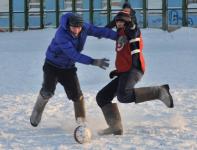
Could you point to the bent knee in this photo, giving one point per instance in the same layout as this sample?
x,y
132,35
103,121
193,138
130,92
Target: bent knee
x,y
46,94
99,99
126,97
103,99
78,99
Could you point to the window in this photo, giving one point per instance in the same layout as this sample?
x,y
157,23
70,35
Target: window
x,y
4,6
68,5
34,8
192,1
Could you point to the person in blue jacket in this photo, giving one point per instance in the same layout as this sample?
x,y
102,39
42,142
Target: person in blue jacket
x,y
59,67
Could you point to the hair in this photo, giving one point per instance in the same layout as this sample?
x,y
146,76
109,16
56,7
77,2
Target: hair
x,y
123,16
126,5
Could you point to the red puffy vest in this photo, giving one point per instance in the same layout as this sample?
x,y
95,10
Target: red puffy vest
x,y
124,57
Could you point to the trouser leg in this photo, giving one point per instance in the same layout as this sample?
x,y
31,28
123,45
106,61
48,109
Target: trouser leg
x,y
69,79
106,94
126,92
46,92
126,84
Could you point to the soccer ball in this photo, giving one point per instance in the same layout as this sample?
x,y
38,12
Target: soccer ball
x,y
82,134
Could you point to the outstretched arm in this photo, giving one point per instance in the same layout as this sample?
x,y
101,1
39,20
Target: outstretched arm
x,y
73,54
101,32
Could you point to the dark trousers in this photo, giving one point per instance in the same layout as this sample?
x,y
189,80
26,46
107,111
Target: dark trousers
x,y
66,77
122,87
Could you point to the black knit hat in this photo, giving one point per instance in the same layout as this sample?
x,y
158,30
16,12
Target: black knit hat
x,y
123,16
76,20
126,5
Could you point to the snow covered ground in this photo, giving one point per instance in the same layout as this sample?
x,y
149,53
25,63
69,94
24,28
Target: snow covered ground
x,y
170,58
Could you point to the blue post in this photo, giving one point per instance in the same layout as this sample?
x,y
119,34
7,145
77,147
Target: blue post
x,y
10,15
26,14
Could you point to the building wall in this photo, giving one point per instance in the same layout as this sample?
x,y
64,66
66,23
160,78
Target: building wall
x,y
100,18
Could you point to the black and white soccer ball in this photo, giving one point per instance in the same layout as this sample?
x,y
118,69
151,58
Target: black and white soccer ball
x,y
82,134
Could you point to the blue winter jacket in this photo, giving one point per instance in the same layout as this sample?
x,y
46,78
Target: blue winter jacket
x,y
65,49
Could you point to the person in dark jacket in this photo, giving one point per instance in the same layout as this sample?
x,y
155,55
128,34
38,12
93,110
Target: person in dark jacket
x,y
59,67
130,68
126,7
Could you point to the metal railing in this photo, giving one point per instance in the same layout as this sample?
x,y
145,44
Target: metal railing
x,y
144,11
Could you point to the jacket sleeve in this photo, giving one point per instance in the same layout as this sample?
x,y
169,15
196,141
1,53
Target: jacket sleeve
x,y
134,42
68,49
101,32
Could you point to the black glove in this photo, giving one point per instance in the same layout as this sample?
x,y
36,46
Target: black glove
x,y
102,63
113,73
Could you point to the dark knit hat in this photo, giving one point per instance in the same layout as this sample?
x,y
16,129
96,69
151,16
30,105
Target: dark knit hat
x,y
76,20
123,16
126,5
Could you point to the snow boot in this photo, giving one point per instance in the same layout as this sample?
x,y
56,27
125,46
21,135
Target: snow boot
x,y
113,119
79,107
38,110
156,92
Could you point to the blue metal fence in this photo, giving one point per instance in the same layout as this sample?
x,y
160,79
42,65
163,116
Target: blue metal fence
x,y
23,15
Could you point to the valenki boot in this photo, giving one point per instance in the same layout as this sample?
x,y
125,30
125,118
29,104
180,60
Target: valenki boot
x,y
38,110
113,119
79,108
152,93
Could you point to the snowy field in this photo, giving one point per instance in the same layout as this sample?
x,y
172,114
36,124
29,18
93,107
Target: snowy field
x,y
170,58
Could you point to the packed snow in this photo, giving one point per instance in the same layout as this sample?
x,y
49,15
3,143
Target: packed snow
x,y
170,58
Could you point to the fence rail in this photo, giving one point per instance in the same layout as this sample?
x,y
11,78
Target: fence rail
x,y
144,11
